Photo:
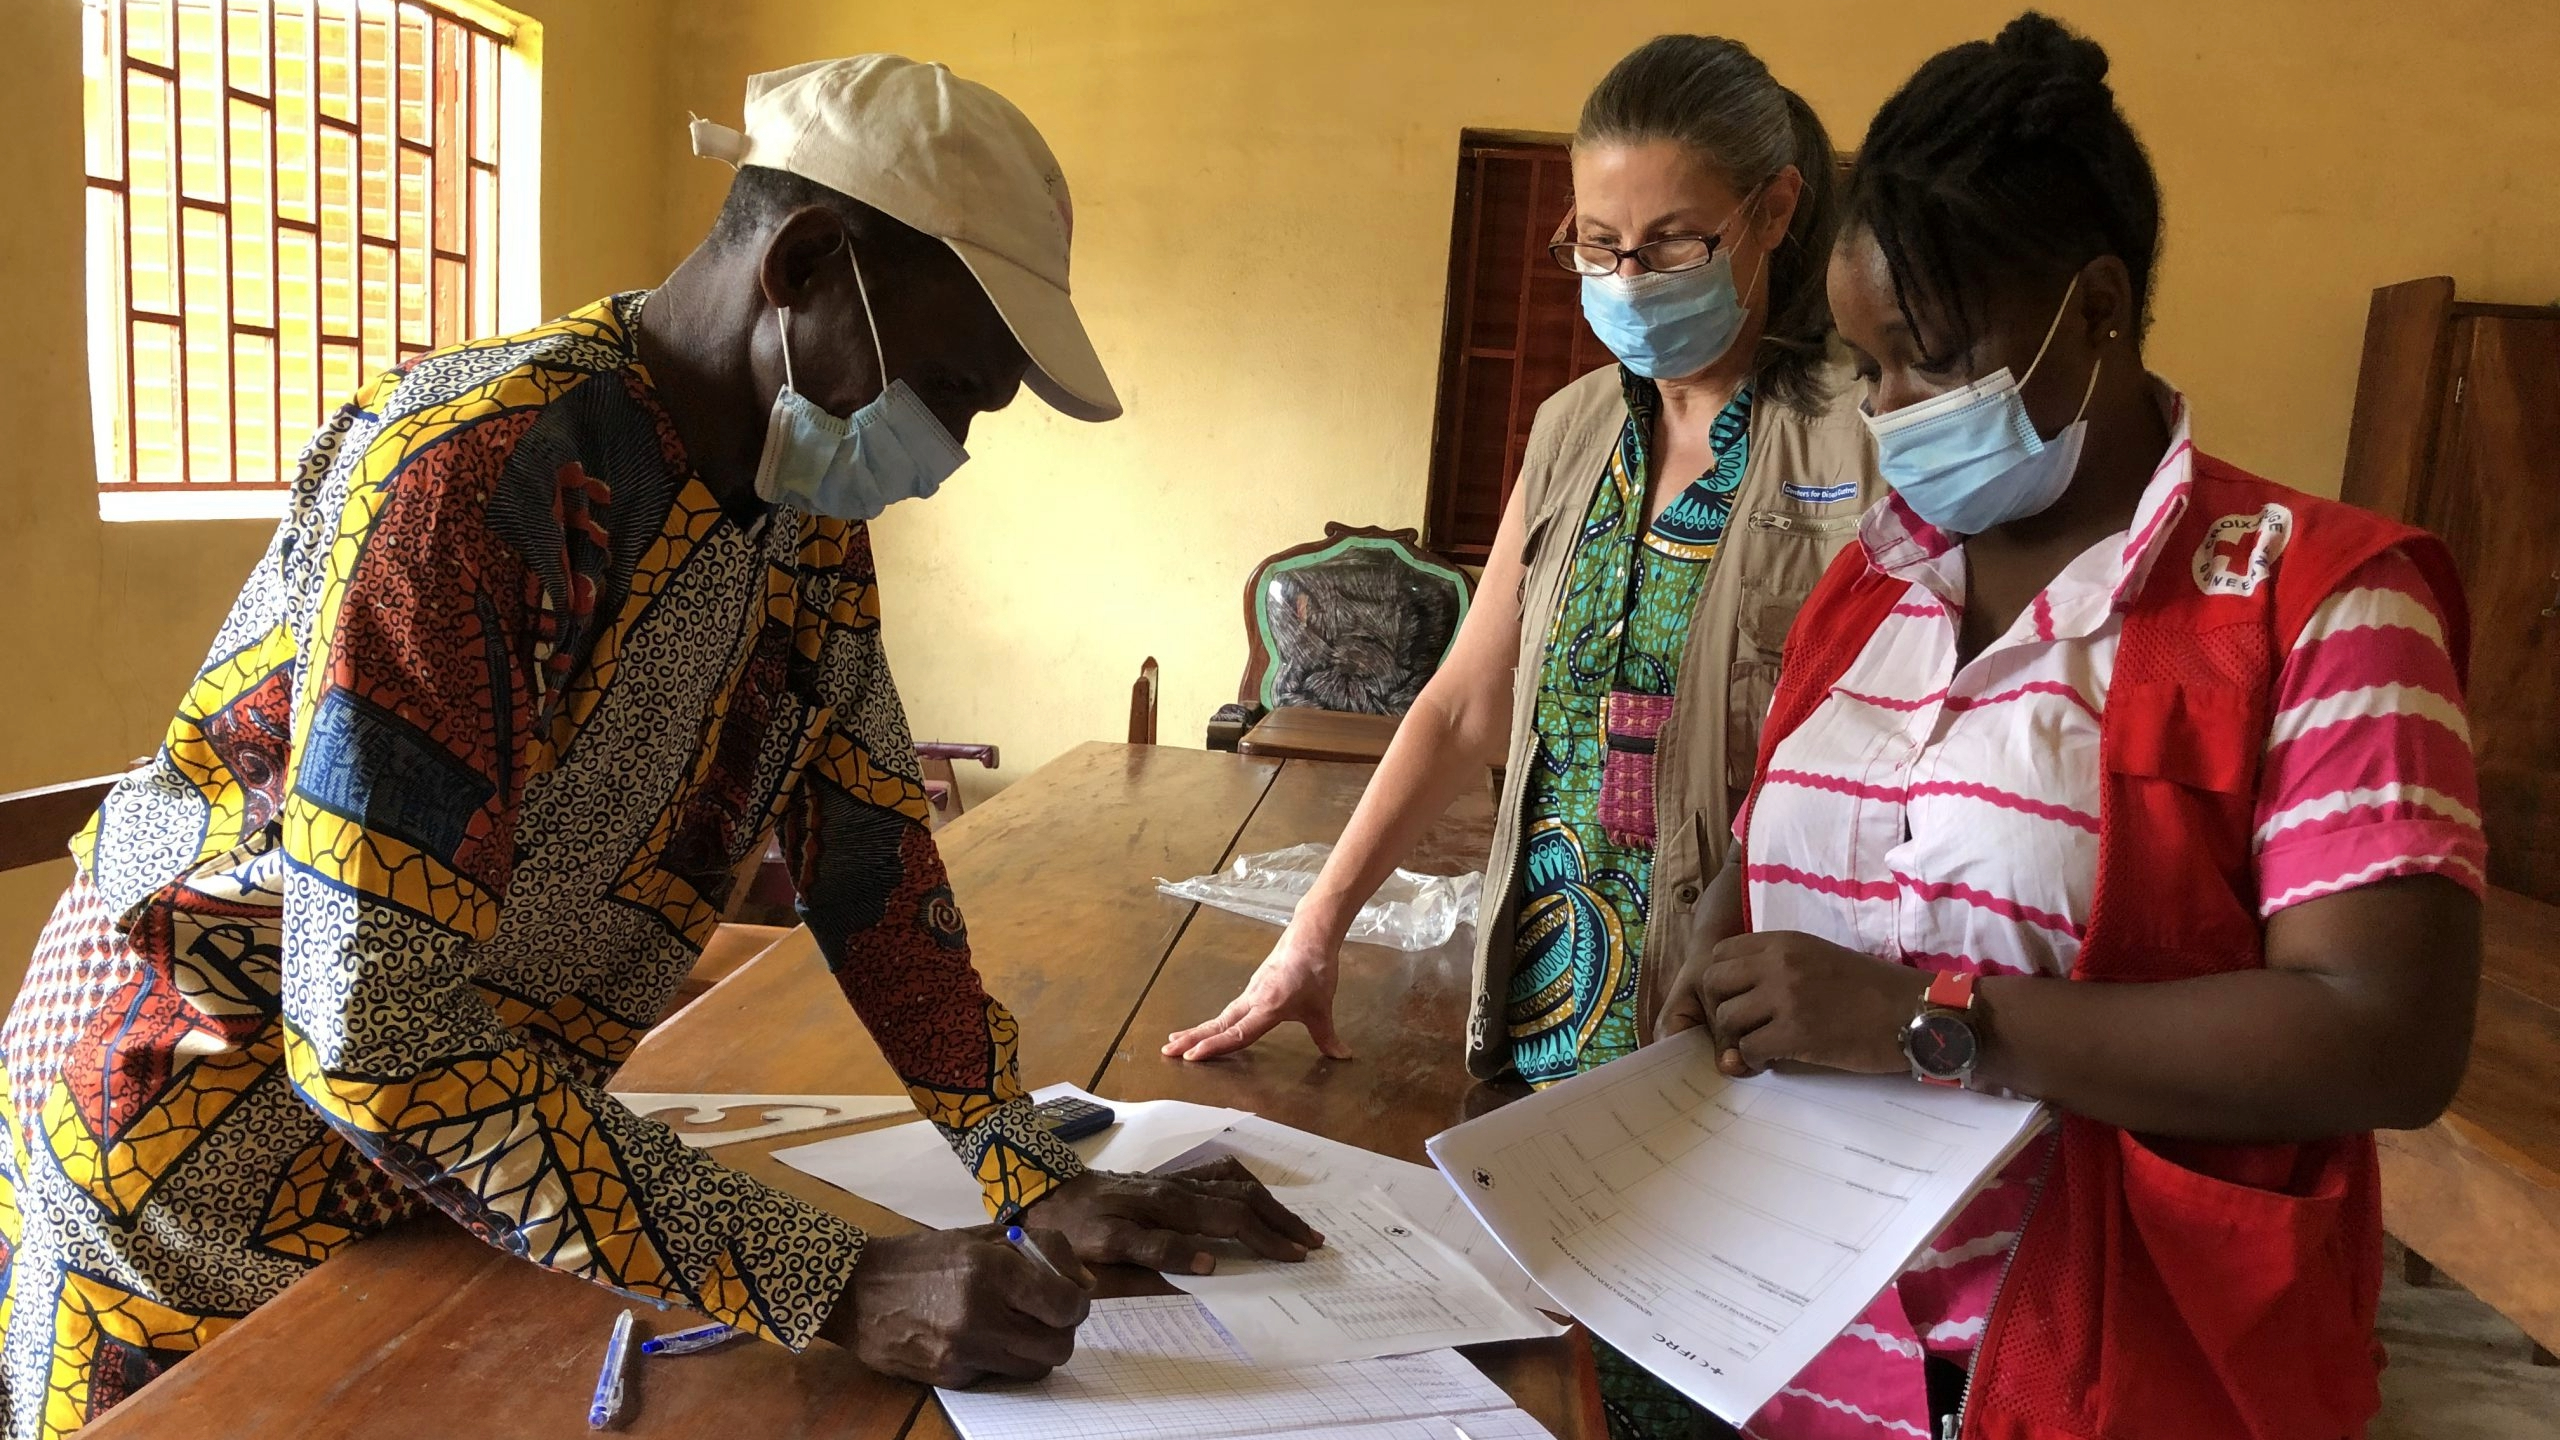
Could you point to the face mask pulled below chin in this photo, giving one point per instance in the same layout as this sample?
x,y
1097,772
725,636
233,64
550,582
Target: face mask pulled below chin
x,y
852,468
1664,326
1970,460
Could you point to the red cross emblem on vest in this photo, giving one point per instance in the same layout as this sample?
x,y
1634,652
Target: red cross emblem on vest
x,y
2239,551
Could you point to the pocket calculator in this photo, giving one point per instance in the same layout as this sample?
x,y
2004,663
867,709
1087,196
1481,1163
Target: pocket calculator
x,y
1071,1119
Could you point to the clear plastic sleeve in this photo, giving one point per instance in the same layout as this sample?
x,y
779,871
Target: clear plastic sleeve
x,y
1409,912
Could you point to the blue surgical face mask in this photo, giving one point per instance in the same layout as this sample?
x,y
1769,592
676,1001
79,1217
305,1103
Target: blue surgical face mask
x,y
1970,460
1667,325
1664,326
852,468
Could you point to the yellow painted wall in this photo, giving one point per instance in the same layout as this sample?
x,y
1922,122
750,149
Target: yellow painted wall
x,y
106,622
1263,198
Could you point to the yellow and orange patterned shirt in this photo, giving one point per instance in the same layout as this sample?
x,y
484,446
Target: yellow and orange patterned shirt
x,y
435,835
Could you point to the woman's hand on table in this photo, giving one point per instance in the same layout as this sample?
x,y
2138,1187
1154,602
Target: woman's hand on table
x,y
1784,995
1165,1222
1294,982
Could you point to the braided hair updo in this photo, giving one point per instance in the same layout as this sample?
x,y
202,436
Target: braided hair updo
x,y
2003,161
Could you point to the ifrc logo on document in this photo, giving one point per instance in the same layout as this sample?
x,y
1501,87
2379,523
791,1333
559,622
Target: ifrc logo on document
x,y
1685,1353
2239,551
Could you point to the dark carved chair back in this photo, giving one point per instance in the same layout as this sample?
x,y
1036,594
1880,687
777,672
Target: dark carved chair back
x,y
1357,621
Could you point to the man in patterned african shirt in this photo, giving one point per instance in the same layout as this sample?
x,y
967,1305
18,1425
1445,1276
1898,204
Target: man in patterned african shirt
x,y
526,673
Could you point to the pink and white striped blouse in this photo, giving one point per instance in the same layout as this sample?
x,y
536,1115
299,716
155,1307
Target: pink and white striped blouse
x,y
1948,818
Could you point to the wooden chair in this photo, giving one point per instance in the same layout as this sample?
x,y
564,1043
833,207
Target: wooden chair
x,y
765,896
1355,622
1142,705
37,825
941,785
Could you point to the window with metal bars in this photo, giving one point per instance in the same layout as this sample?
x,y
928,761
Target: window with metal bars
x,y
287,197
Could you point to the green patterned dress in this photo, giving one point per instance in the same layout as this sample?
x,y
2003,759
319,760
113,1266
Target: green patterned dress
x,y
1622,625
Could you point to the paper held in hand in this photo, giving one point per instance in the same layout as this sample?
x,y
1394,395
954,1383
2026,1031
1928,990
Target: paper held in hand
x,y
1720,1231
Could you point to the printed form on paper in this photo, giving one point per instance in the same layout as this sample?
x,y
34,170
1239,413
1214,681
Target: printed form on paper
x,y
1719,1231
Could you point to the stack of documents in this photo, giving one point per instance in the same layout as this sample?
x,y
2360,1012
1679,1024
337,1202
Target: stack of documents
x,y
1287,1158
1720,1231
1380,1286
1160,1368
1404,1267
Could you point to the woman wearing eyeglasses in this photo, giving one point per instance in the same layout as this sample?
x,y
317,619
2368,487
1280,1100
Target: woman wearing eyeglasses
x,y
1672,512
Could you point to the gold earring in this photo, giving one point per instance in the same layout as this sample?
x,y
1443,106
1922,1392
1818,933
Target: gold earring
x,y
2111,334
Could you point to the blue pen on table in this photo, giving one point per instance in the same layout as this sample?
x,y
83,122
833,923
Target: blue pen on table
x,y
607,1406
1014,1237
686,1342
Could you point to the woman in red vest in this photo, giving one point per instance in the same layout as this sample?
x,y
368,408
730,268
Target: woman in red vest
x,y
2088,705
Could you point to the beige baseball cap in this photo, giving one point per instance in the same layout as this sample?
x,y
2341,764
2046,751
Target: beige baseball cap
x,y
953,159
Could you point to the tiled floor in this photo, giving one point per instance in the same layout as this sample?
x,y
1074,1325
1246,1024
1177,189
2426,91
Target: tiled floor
x,y
2459,1370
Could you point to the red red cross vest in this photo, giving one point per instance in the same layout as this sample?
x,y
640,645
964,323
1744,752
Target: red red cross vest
x,y
2165,1289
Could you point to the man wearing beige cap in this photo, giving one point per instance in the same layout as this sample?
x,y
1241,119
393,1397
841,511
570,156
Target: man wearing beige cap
x,y
559,626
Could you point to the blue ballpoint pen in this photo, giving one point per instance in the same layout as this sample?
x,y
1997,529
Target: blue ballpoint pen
x,y
686,1342
607,1406
1013,1236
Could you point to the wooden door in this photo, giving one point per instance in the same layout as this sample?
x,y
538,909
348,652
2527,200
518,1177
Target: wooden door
x,y
2496,500
1514,332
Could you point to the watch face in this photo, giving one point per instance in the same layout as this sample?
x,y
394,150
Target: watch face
x,y
1942,1045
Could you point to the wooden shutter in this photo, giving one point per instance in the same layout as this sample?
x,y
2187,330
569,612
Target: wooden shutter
x,y
1513,336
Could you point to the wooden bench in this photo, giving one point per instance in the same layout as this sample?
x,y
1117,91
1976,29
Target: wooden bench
x,y
2477,1194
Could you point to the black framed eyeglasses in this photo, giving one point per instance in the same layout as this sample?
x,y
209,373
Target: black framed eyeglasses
x,y
1668,255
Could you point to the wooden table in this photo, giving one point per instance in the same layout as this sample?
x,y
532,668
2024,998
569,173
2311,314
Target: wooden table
x,y
1303,732
2477,1194
425,1332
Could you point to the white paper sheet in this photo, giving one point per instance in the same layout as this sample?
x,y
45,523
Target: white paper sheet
x,y
910,1168
1280,1155
1477,1425
1160,1368
1380,1285
1723,1231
